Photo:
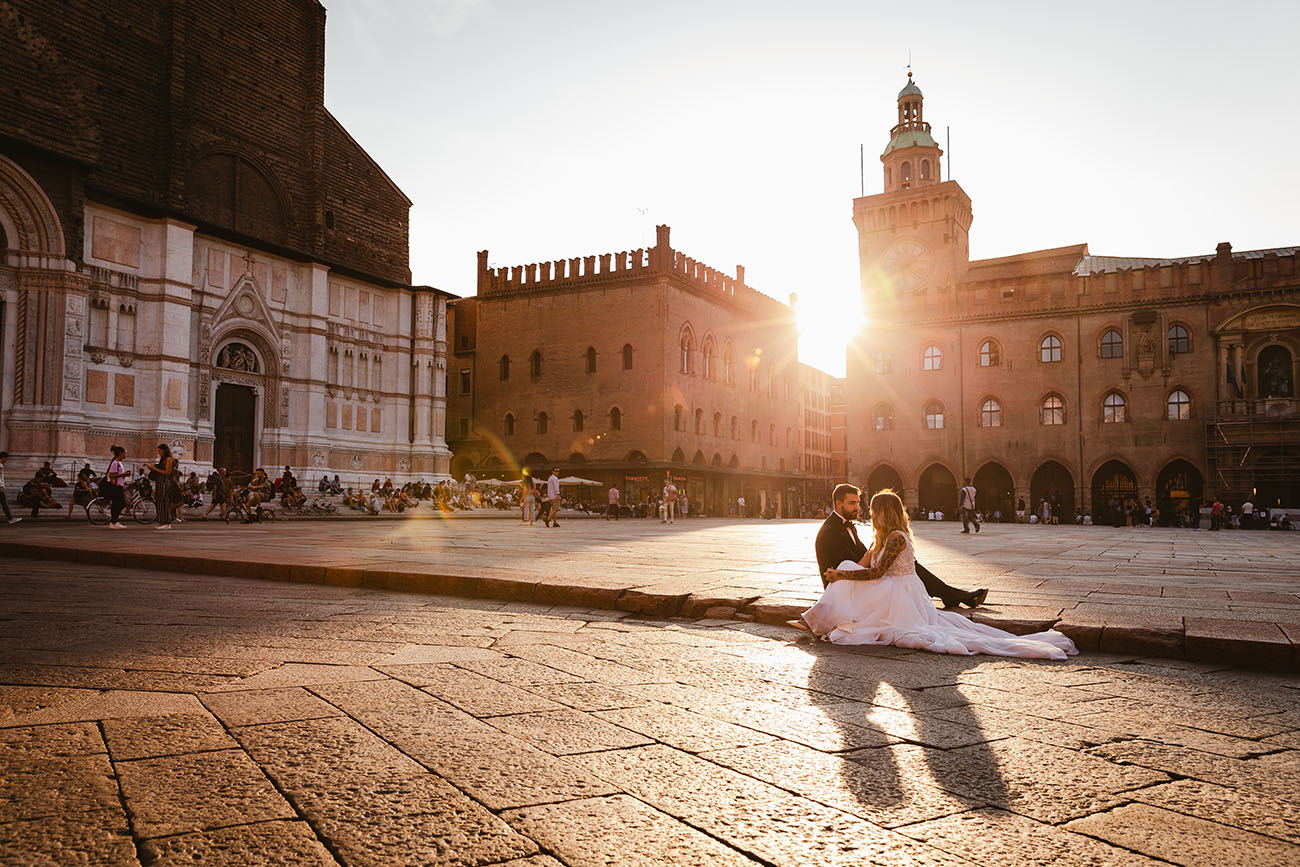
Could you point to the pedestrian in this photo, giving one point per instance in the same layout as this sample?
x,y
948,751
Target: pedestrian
x,y
1216,514
527,501
740,506
967,505
166,490
4,504
670,500
112,487
614,496
553,497
219,484
1248,515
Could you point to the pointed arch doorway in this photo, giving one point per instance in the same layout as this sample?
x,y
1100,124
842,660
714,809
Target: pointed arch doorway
x,y
239,372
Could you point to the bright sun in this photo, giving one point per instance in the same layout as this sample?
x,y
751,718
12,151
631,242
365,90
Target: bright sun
x,y
827,323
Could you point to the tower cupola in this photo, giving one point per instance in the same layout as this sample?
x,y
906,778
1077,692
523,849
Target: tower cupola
x,y
911,159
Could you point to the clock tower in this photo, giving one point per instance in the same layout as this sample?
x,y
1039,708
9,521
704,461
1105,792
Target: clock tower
x,y
913,238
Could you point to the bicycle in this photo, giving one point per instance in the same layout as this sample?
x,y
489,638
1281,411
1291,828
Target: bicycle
x,y
99,511
238,508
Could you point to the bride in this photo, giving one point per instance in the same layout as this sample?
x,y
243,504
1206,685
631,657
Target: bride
x,y
882,601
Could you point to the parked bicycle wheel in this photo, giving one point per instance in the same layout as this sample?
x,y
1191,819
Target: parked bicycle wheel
x,y
144,511
99,511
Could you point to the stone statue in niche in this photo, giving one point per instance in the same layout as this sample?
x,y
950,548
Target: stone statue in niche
x,y
1277,379
237,356
1146,353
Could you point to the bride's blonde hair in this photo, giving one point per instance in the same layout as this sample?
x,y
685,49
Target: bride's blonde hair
x,y
887,515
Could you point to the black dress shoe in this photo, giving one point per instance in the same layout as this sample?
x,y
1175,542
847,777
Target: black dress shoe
x,y
976,598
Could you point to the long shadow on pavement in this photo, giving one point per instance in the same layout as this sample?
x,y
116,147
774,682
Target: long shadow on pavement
x,y
884,690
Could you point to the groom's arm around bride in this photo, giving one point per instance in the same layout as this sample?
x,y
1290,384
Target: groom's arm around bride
x,y
837,541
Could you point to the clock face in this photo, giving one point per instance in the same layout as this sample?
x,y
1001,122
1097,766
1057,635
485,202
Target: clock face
x,y
908,262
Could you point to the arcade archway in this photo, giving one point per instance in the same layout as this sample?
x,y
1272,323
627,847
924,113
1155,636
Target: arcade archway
x,y
937,491
1113,486
1054,483
995,491
1179,488
1277,479
883,476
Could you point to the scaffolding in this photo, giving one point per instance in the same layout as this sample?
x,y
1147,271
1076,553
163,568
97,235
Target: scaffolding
x,y
1253,449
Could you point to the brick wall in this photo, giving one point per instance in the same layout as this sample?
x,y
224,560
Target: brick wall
x,y
141,97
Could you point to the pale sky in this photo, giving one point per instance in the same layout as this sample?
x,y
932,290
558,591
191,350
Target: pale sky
x,y
549,129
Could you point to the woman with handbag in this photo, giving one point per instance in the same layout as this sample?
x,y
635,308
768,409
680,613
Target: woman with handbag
x,y
165,488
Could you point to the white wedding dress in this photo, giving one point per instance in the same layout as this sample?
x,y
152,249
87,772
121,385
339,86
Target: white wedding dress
x,y
895,609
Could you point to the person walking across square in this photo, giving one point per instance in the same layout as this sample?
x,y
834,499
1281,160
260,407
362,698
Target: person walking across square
x,y
670,501
967,504
113,489
614,496
553,497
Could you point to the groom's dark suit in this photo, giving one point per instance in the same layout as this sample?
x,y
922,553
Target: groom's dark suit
x,y
838,541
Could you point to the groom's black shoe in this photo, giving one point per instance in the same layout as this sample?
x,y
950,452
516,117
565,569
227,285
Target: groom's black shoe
x,y
976,598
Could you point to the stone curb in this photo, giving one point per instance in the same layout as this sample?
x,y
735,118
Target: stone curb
x,y
1241,643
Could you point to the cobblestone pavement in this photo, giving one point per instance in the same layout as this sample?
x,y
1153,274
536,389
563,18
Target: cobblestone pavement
x,y
1231,596
177,719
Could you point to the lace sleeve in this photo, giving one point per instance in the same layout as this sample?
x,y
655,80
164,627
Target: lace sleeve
x,y
894,545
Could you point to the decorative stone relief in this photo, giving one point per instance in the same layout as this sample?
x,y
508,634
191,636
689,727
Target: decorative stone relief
x,y
317,459
178,448
356,462
125,360
284,406
97,357
404,465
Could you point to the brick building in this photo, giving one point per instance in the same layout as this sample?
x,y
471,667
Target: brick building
x,y
1099,378
841,467
196,251
624,367
815,435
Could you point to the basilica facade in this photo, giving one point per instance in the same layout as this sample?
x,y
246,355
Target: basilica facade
x,y
196,252
1057,374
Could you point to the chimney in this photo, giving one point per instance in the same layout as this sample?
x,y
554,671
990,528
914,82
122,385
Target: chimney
x,y
482,270
1223,266
740,274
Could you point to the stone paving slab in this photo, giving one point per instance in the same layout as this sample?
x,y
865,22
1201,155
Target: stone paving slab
x,y
650,741
1231,597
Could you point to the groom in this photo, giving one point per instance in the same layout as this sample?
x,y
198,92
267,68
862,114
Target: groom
x,y
838,541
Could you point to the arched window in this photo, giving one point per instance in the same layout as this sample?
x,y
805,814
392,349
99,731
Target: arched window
x,y
771,434
884,416
1112,344
934,416
1053,410
717,424
1114,409
884,361
708,358
535,364
504,365
627,356
789,435
1049,351
905,171
616,419
678,421
991,414
1179,340
510,424
699,421
543,423
735,428
577,420
1180,405
925,170
591,359
687,345
729,364
753,430
990,355
753,375
889,178
932,358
